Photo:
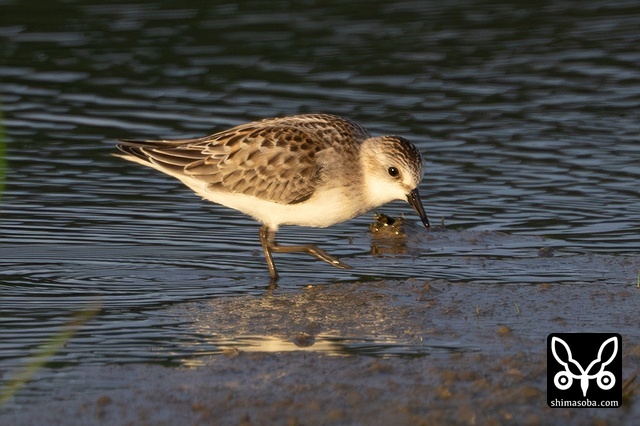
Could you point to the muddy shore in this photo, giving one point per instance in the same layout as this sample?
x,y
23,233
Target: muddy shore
x,y
439,353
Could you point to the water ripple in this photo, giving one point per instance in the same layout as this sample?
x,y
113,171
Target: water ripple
x,y
527,116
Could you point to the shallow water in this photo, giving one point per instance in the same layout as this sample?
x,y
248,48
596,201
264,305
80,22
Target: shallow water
x,y
527,116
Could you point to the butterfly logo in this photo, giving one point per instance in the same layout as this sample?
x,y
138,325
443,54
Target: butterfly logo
x,y
564,379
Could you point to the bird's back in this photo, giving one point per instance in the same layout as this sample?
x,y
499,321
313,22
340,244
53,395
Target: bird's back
x,y
280,160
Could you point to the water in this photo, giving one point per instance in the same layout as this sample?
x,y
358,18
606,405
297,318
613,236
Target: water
x,y
527,115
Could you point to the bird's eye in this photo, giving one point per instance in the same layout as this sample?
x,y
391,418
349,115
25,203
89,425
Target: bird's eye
x,y
393,171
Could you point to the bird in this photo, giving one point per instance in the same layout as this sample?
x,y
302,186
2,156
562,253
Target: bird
x,y
313,170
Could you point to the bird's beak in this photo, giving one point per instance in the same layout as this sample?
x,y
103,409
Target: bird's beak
x,y
414,200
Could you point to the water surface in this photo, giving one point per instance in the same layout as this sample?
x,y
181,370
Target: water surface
x,y
527,116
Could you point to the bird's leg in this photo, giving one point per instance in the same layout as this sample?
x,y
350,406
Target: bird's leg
x,y
267,239
313,251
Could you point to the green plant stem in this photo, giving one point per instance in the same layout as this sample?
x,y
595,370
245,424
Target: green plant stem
x,y
45,352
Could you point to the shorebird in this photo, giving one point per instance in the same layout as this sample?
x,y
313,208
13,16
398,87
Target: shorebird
x,y
308,170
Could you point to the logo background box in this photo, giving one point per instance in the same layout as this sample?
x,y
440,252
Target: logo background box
x,y
585,348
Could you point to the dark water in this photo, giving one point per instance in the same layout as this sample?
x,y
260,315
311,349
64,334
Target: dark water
x,y
528,116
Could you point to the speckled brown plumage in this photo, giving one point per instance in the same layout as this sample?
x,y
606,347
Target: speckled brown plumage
x,y
281,165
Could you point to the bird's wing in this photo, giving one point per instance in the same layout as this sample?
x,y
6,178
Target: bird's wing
x,y
274,159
